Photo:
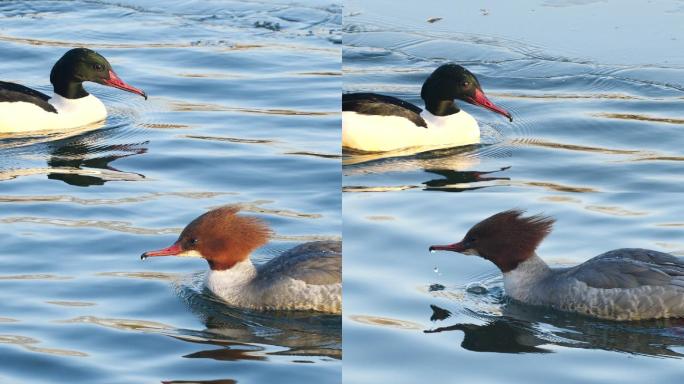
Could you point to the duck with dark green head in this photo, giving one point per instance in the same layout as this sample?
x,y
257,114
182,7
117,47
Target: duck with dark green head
x,y
24,109
373,122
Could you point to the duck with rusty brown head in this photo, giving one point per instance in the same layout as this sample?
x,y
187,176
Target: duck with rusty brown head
x,y
622,284
306,277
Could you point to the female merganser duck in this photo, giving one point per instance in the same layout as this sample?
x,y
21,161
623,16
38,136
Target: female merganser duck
x,y
24,109
378,123
306,277
623,284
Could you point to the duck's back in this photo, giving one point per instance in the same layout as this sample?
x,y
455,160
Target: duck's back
x,y
306,277
623,284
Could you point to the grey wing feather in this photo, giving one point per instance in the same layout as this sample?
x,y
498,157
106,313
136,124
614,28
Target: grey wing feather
x,y
630,268
317,263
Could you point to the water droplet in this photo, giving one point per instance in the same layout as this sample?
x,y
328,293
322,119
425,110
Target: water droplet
x,y
436,269
432,251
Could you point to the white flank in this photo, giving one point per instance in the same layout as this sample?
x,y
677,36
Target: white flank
x,y
374,133
239,286
71,113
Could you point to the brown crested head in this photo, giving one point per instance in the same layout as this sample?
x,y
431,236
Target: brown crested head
x,y
221,236
506,238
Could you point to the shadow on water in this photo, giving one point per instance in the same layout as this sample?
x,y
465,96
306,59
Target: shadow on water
x,y
242,334
521,328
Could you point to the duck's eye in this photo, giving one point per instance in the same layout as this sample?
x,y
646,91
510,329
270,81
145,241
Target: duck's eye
x,y
466,84
98,67
194,241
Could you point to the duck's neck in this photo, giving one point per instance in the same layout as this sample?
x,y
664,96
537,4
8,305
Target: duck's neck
x,y
69,89
441,107
523,282
232,281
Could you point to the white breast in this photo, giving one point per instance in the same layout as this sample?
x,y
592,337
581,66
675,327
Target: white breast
x,y
71,113
239,287
375,133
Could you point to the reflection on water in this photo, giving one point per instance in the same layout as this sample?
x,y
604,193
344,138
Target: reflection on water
x,y
299,333
526,329
451,179
81,157
75,156
454,166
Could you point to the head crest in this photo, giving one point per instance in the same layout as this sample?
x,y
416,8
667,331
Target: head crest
x,y
507,238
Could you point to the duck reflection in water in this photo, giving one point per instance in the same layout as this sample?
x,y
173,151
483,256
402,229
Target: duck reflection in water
x,y
526,329
84,160
452,165
80,157
451,179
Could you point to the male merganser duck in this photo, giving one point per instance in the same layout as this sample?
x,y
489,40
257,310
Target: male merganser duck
x,y
306,277
24,109
379,123
623,284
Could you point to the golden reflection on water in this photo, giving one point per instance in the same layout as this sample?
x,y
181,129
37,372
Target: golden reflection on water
x,y
195,44
71,303
143,275
305,238
381,218
116,226
386,322
653,119
39,276
558,96
182,106
256,207
605,209
29,344
164,126
122,324
615,211
551,186
573,147
101,201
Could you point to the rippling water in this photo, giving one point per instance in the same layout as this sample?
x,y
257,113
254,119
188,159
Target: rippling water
x,y
595,142
243,108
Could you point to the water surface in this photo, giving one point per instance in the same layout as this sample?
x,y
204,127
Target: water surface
x,y
243,109
595,142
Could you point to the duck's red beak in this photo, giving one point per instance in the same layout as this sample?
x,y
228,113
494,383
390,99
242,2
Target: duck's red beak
x,y
482,100
455,247
170,251
116,82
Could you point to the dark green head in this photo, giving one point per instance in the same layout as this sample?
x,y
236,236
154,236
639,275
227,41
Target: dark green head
x,y
450,82
82,64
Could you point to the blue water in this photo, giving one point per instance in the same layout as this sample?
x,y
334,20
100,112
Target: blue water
x,y
596,90
243,109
